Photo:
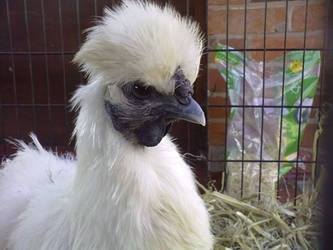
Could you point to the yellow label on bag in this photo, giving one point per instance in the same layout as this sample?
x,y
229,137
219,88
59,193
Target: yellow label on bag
x,y
296,67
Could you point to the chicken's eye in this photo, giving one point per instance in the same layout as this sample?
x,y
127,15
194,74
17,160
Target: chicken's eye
x,y
141,92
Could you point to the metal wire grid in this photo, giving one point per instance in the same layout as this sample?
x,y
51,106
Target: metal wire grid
x,y
44,51
62,53
227,106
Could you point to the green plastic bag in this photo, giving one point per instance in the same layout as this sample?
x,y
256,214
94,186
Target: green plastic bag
x,y
294,78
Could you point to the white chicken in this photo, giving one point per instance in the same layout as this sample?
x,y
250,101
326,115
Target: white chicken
x,y
129,188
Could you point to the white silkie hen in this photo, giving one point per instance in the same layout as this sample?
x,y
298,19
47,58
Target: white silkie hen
x,y
129,188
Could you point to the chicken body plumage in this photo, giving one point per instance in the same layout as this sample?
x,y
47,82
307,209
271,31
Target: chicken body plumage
x,y
154,203
146,201
129,188
34,199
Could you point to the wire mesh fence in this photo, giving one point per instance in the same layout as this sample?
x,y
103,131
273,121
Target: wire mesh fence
x,y
37,79
302,165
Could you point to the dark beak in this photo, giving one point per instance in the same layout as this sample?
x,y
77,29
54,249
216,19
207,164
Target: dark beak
x,y
191,111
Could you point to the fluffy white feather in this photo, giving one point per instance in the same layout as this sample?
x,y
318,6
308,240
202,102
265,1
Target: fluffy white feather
x,y
117,195
33,198
142,41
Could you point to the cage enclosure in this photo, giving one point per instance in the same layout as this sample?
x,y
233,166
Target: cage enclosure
x,y
258,146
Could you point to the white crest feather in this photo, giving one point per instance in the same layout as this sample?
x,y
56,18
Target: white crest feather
x,y
117,195
140,40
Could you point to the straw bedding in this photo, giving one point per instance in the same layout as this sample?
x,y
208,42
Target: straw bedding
x,y
264,224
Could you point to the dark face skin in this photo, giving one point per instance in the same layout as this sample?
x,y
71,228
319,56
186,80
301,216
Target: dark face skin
x,y
148,115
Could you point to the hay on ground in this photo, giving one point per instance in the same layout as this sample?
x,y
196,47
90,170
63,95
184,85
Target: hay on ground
x,y
264,224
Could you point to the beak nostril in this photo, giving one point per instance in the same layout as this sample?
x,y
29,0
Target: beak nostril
x,y
184,100
183,95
